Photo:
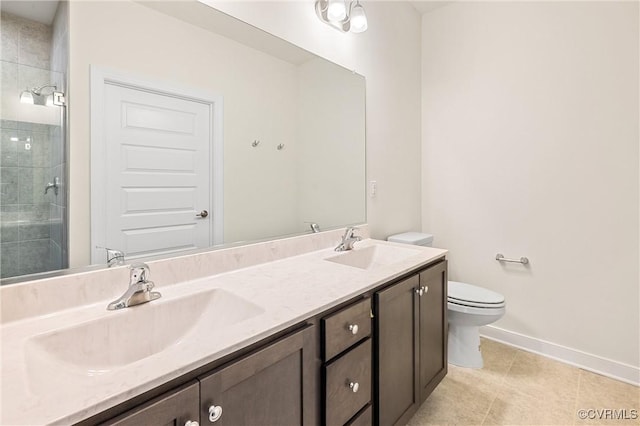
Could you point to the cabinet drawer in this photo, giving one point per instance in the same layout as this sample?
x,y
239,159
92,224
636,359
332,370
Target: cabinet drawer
x,y
346,327
363,418
343,401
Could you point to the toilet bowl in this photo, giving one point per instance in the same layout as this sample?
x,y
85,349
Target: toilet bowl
x,y
469,307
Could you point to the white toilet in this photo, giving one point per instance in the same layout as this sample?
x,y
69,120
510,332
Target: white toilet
x,y
469,307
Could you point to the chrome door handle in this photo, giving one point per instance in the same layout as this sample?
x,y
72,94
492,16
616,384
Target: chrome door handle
x,y
203,214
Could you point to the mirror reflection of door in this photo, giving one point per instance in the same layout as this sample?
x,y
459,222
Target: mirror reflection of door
x,y
157,155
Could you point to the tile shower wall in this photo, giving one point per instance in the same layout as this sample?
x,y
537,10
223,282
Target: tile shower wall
x,y
31,152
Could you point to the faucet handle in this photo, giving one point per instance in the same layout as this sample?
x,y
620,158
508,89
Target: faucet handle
x,y
348,233
138,273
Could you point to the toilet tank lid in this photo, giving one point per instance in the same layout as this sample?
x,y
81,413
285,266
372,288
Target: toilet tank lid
x,y
471,293
415,238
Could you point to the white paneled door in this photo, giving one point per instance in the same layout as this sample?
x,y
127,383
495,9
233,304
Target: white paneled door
x,y
158,181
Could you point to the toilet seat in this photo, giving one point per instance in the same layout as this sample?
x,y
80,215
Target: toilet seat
x,y
463,294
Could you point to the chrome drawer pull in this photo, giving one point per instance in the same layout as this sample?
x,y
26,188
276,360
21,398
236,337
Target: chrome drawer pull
x,y
215,412
191,423
353,328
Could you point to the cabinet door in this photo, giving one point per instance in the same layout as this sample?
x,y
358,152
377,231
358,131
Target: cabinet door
x,y
273,386
396,326
174,408
433,328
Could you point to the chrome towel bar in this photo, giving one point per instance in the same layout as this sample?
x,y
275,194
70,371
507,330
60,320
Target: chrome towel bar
x,y
501,258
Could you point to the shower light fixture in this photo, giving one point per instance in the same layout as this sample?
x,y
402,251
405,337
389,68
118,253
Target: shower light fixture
x,y
53,98
343,15
26,97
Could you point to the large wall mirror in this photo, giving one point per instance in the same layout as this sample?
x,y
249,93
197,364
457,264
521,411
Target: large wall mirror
x,y
290,129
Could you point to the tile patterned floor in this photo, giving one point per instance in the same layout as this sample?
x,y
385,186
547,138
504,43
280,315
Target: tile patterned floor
x,y
520,388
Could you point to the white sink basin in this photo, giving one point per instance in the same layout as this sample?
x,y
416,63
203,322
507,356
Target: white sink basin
x,y
373,256
138,332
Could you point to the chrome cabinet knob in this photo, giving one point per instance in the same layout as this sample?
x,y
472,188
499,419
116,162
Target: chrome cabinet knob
x,y
354,386
353,328
419,291
191,423
203,214
425,289
215,412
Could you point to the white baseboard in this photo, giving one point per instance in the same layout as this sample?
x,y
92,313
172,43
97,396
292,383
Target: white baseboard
x,y
606,367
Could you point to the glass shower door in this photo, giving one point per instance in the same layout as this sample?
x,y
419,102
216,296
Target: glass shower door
x,y
32,152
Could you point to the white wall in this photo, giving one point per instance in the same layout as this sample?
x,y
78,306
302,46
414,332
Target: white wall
x,y
388,55
530,148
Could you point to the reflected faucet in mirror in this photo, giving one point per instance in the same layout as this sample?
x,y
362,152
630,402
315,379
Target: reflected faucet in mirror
x,y
114,257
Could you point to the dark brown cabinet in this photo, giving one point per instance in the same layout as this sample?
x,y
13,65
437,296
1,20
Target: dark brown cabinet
x,y
178,407
411,330
346,327
433,328
273,386
347,364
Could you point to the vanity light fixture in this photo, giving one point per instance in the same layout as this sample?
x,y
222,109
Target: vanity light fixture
x,y
53,98
343,15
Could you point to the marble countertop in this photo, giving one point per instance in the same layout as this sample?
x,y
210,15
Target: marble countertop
x,y
37,390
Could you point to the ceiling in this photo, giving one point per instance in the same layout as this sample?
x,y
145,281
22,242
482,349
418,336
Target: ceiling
x,y
41,11
426,6
44,10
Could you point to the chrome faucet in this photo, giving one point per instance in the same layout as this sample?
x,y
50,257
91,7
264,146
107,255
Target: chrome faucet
x,y
348,239
139,290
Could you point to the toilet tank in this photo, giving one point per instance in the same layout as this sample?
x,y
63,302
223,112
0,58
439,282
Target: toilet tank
x,y
415,238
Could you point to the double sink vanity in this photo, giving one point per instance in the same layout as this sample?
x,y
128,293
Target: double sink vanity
x,y
286,332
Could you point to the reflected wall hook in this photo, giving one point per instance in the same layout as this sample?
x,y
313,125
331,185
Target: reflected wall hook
x,y
315,228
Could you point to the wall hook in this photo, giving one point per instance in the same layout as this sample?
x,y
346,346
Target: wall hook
x,y
280,146
255,143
